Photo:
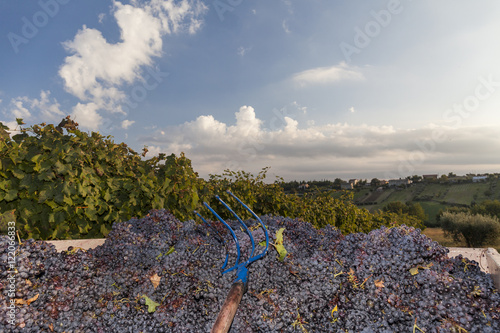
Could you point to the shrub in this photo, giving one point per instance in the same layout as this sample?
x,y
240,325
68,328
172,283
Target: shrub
x,y
411,209
476,230
488,207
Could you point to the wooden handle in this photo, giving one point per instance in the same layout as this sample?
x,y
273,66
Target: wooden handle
x,y
226,314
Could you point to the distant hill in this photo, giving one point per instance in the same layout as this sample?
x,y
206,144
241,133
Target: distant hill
x,y
431,196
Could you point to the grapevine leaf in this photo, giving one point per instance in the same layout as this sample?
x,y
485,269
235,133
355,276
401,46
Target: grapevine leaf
x,y
150,303
104,230
107,195
11,195
17,173
36,158
170,251
279,244
279,236
282,252
414,271
263,243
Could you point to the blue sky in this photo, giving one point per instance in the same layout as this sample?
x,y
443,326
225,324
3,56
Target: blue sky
x,y
314,89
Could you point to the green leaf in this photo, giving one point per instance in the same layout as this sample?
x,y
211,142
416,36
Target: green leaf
x,y
62,168
150,303
11,195
414,271
107,195
17,173
68,201
279,236
170,251
36,158
47,175
51,204
278,245
44,195
104,230
83,226
263,243
90,212
282,252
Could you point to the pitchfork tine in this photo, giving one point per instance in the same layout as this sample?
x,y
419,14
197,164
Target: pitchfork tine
x,y
220,236
241,222
234,237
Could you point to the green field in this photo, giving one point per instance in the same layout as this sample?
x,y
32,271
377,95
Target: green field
x,y
432,209
433,196
403,195
464,194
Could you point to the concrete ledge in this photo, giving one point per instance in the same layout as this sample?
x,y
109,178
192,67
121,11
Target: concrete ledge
x,y
488,259
494,264
62,245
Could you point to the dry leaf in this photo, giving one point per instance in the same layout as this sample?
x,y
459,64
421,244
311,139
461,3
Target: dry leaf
x,y
28,282
335,309
28,302
51,326
155,280
379,283
414,271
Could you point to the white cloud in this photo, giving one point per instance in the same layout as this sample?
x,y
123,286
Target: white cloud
x,y
42,109
48,111
101,17
351,109
327,149
18,110
127,123
153,151
96,70
86,115
326,75
243,50
285,26
303,109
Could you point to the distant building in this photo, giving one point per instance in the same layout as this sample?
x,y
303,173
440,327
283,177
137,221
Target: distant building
x,y
457,179
399,182
478,179
429,177
303,186
346,186
353,181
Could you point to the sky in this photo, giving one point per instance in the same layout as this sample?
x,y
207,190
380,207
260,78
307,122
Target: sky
x,y
315,89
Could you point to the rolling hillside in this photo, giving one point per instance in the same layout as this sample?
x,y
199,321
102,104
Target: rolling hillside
x,y
432,197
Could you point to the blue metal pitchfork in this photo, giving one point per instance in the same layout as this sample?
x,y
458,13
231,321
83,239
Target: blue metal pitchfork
x,y
240,284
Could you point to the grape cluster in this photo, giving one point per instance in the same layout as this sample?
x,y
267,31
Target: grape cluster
x,y
157,274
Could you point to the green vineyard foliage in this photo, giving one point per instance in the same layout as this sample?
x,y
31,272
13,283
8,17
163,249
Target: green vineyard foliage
x,y
58,182
75,185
